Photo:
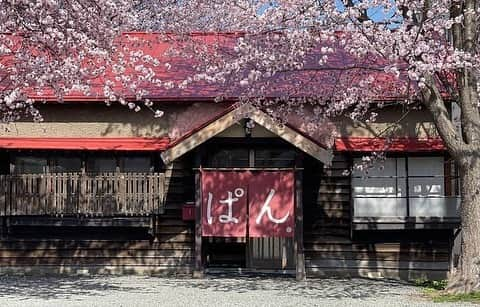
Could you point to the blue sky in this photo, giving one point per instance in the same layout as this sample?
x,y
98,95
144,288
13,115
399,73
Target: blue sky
x,y
377,14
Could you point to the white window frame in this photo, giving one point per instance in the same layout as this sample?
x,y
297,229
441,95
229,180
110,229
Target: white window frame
x,y
402,197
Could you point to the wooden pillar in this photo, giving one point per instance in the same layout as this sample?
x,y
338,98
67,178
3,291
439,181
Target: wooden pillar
x,y
298,245
3,228
198,270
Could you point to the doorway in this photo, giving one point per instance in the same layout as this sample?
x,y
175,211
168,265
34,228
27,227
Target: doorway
x,y
271,253
248,218
253,155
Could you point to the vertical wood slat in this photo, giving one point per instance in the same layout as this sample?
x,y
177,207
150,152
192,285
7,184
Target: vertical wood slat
x,y
134,193
95,187
6,191
59,193
16,195
150,207
128,189
22,194
198,264
41,193
298,244
65,208
138,193
52,195
19,195
13,197
74,193
142,181
112,201
5,195
29,204
3,200
48,194
145,194
161,195
29,194
56,193
102,195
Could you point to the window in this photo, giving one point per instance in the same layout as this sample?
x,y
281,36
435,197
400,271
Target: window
x,y
427,193
405,186
125,163
101,164
228,157
381,191
73,162
135,164
66,164
251,153
30,164
274,157
385,179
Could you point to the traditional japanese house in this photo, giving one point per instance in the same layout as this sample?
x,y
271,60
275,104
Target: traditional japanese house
x,y
212,186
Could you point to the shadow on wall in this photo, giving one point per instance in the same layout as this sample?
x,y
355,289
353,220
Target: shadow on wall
x,y
392,121
178,120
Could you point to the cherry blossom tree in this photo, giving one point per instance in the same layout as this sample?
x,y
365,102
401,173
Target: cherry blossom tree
x,y
275,53
426,50
58,47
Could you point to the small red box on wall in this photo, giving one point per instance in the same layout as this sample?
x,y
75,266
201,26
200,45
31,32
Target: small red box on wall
x,y
188,212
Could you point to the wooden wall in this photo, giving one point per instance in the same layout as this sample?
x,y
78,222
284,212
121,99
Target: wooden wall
x,y
331,248
165,247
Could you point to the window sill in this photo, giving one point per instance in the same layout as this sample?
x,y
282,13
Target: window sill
x,y
399,222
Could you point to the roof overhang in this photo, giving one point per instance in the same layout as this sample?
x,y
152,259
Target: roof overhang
x,y
52,143
370,144
221,123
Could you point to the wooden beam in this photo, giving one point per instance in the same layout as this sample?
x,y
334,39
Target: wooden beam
x,y
232,169
219,125
293,137
133,221
298,243
202,135
198,262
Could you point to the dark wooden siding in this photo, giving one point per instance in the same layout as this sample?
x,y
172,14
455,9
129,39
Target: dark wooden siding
x,y
331,248
163,247
326,200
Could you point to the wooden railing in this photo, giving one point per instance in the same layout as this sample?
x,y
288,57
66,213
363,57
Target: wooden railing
x,y
67,194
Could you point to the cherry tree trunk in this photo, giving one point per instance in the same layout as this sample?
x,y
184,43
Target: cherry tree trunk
x,y
466,278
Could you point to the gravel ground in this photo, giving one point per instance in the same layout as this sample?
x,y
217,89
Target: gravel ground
x,y
212,291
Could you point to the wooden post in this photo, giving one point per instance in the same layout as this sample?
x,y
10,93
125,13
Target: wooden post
x,y
83,194
121,194
298,244
198,265
42,191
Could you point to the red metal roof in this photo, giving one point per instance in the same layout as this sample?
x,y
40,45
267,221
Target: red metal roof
x,y
130,144
309,81
363,144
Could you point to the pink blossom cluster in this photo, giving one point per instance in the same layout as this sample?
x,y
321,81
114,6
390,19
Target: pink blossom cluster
x,y
298,41
289,56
